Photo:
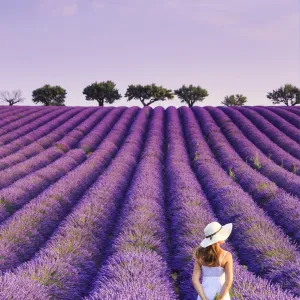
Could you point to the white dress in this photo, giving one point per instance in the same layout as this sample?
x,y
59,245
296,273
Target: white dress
x,y
213,280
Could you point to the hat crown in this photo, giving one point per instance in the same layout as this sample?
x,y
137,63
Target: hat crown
x,y
212,228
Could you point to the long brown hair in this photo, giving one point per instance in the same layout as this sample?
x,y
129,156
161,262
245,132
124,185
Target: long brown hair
x,y
208,255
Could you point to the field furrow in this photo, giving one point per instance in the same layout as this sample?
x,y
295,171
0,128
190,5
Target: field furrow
x,y
9,114
14,147
190,210
110,202
14,129
14,115
260,244
26,231
136,260
41,176
286,115
277,136
71,257
253,156
283,125
282,207
261,141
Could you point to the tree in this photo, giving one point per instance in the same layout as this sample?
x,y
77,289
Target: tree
x,y
49,95
151,92
289,95
234,100
11,98
191,94
102,92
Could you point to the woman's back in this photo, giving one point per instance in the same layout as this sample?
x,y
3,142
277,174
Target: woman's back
x,y
217,277
219,262
214,278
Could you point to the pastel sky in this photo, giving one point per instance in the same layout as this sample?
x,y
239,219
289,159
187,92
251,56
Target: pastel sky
x,y
227,47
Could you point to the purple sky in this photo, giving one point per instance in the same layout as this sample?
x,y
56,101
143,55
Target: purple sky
x,y
227,47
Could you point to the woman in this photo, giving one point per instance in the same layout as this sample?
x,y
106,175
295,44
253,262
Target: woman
x,y
215,263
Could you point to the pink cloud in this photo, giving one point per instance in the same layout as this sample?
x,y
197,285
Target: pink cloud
x,y
59,7
70,10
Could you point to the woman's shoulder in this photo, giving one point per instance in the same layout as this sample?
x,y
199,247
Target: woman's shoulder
x,y
226,254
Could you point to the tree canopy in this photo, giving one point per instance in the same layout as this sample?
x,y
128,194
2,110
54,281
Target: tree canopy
x,y
49,95
150,93
11,98
190,94
289,95
234,100
102,92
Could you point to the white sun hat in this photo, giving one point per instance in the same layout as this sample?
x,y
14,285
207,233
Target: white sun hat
x,y
215,232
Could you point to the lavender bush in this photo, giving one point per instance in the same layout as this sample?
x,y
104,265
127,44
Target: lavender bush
x,y
277,136
278,204
71,256
261,245
260,140
279,122
287,115
110,202
135,265
190,212
253,156
44,213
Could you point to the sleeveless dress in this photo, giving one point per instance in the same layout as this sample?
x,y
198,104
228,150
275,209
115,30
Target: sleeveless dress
x,y
213,280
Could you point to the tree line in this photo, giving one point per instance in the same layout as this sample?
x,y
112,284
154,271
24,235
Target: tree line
x,y
106,92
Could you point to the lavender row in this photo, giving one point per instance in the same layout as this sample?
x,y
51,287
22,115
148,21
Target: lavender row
x,y
277,136
86,130
4,109
11,114
134,275
135,265
34,114
14,115
70,259
260,244
23,190
279,122
14,196
190,212
261,141
253,156
25,232
29,127
89,143
286,115
280,205
293,110
35,157
21,142
13,287
70,127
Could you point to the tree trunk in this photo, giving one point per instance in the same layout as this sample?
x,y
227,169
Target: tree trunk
x,y
101,103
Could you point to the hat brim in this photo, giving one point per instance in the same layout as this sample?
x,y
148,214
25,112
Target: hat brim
x,y
222,235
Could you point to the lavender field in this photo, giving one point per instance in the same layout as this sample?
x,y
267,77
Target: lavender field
x,y
110,202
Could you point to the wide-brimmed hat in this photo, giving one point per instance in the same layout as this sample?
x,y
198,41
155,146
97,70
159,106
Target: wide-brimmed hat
x,y
215,232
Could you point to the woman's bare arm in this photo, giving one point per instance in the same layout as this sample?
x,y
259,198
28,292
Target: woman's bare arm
x,y
228,276
196,281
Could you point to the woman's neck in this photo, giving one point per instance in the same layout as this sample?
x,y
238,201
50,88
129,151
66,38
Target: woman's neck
x,y
219,249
